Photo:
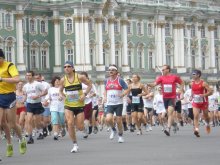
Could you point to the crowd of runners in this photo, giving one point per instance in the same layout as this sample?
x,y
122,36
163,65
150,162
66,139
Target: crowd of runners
x,y
33,108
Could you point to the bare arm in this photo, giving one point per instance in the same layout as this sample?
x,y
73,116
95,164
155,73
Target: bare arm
x,y
15,79
61,87
209,90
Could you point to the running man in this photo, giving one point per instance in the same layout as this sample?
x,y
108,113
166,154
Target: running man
x,y
200,93
74,100
168,82
113,96
9,76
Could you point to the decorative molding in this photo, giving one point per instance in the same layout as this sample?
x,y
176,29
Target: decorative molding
x,y
99,19
211,27
124,22
56,20
111,20
19,16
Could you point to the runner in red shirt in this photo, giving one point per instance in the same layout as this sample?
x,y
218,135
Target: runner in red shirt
x,y
200,93
168,82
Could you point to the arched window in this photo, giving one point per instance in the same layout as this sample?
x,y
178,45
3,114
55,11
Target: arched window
x,y
193,59
167,29
140,59
129,56
117,57
168,57
90,22
32,26
150,60
202,32
139,28
129,28
43,27
8,20
8,53
33,58
150,29
116,27
203,60
217,61
23,25
69,54
193,31
69,25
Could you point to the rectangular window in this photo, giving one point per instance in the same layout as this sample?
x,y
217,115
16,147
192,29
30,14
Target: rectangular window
x,y
116,27
139,59
202,32
117,57
104,54
70,54
33,59
44,59
129,58
8,53
129,28
217,61
168,57
91,57
150,60
203,60
216,33
193,59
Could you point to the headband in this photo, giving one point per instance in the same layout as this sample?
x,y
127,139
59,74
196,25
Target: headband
x,y
112,67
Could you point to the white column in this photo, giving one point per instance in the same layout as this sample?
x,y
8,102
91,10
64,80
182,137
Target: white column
x,y
163,47
199,59
111,21
176,46
19,32
57,54
99,46
87,64
124,22
182,53
212,48
77,40
159,59
188,65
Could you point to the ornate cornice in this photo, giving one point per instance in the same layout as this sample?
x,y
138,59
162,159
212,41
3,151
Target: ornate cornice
x,y
211,27
179,25
124,22
78,19
99,19
19,16
56,20
160,24
111,20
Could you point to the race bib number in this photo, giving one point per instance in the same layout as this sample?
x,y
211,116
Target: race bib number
x,y
72,96
167,88
135,99
197,99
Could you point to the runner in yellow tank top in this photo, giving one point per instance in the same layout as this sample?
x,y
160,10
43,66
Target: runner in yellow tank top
x,y
74,100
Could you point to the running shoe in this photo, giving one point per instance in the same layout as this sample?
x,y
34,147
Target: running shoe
x,y
112,135
9,152
30,141
45,132
150,128
40,137
55,138
196,132
139,132
63,132
23,146
75,148
208,129
167,131
147,128
90,129
95,130
120,139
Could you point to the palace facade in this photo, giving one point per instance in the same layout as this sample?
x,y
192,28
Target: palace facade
x,y
136,35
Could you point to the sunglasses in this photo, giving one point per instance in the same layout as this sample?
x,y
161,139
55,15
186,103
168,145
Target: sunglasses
x,y
193,74
68,66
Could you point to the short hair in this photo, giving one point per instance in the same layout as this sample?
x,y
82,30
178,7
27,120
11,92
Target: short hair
x,y
85,74
32,72
54,79
167,67
197,72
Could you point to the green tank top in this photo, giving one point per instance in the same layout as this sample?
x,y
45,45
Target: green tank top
x,y
73,92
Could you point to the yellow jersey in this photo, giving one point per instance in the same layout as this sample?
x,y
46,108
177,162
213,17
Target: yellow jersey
x,y
73,92
8,70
